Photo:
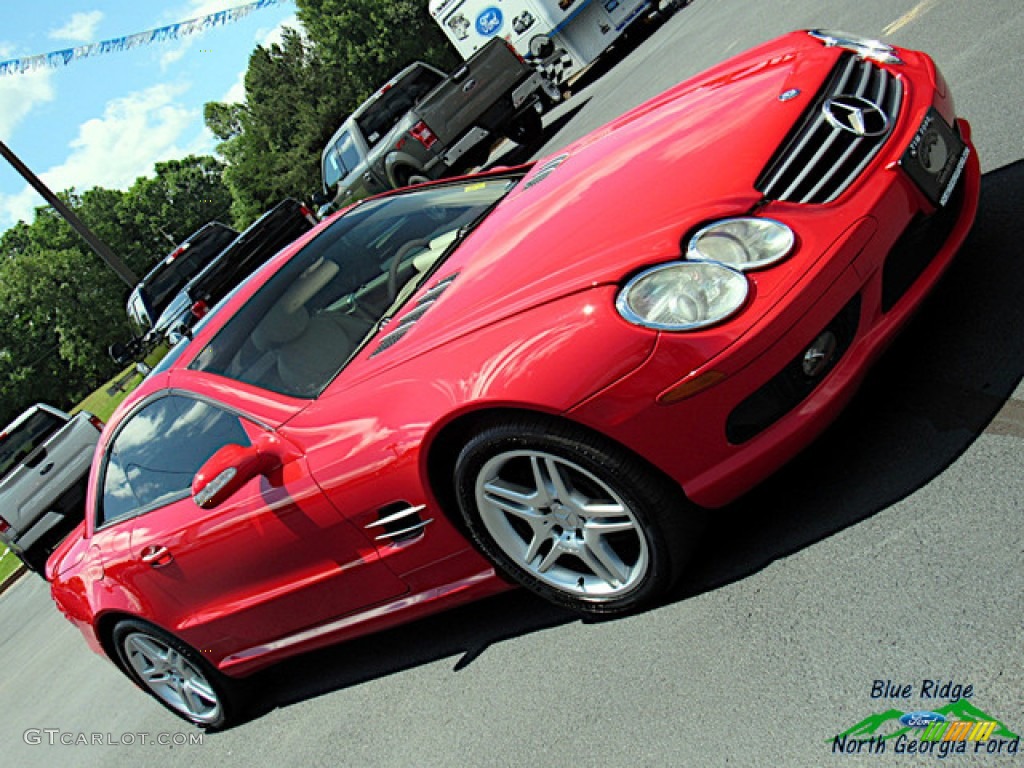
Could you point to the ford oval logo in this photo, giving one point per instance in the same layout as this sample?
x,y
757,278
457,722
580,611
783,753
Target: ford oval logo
x,y
921,719
489,21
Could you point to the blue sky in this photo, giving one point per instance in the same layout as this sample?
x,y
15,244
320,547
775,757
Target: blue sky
x,y
105,120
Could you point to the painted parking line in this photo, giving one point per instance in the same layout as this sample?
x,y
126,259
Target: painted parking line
x,y
914,13
1009,421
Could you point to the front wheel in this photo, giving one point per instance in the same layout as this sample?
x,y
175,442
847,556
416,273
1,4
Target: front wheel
x,y
572,517
174,674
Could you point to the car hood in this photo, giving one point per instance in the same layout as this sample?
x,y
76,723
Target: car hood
x,y
624,197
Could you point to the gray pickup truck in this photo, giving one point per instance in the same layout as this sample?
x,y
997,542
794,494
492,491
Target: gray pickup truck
x,y
45,456
422,125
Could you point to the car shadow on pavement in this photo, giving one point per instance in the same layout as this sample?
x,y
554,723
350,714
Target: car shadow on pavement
x,y
926,401
931,395
462,635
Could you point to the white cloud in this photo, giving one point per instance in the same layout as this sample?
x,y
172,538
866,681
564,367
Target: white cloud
x,y
80,28
197,8
267,37
111,151
175,54
19,95
236,93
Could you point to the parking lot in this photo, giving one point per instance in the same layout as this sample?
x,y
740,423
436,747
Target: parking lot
x,y
888,555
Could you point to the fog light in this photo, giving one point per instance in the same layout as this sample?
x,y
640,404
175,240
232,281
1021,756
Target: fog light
x,y
819,355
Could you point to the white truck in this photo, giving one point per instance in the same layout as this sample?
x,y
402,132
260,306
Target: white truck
x,y
559,37
45,456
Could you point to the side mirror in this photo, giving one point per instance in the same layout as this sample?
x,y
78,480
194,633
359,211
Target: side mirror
x,y
320,198
225,472
118,353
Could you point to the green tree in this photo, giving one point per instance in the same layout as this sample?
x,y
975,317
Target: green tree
x,y
61,306
59,310
160,211
272,142
368,41
299,91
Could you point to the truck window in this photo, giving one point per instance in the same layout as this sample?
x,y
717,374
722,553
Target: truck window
x,y
170,275
382,115
340,159
29,435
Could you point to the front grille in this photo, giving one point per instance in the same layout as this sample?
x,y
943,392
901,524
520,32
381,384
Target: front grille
x,y
819,159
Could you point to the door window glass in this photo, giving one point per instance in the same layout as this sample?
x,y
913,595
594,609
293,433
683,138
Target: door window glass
x,y
159,450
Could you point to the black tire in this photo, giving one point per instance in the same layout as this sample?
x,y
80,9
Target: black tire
x,y
35,561
526,128
573,517
176,675
405,177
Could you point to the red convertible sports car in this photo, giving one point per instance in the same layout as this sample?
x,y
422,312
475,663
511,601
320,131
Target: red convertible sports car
x,y
532,376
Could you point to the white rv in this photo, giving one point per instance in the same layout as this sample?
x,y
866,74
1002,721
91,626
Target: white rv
x,y
560,37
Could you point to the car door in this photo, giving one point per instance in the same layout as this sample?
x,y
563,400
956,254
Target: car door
x,y
274,559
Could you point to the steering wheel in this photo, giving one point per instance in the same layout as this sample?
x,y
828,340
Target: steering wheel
x,y
404,251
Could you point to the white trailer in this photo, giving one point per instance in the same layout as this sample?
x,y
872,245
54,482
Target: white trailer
x,y
560,37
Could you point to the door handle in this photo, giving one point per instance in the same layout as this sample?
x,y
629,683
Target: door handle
x,y
46,470
157,556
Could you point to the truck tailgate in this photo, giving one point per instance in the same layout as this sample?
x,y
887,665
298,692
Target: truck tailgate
x,y
456,105
37,484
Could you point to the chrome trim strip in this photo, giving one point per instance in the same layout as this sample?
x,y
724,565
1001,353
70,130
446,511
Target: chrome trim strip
x,y
396,516
405,531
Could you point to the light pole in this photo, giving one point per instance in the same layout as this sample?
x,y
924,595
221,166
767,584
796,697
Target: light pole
x,y
102,249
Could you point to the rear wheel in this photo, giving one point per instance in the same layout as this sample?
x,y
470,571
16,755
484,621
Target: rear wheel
x,y
572,517
405,177
174,674
35,561
526,128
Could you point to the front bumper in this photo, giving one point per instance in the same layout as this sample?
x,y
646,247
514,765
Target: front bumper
x,y
875,268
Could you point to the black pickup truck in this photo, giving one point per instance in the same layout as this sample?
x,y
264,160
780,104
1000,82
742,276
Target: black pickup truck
x,y
423,124
203,270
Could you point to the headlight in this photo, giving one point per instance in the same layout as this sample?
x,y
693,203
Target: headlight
x,y
743,244
875,50
682,296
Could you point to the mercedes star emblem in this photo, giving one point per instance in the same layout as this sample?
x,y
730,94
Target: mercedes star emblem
x,y
856,115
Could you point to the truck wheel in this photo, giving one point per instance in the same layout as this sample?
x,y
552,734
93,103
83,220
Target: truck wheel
x,y
406,177
35,561
526,128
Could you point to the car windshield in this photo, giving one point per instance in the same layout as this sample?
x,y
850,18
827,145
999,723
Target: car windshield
x,y
302,326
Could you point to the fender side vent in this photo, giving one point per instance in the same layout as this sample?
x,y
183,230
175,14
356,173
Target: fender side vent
x,y
425,302
398,522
